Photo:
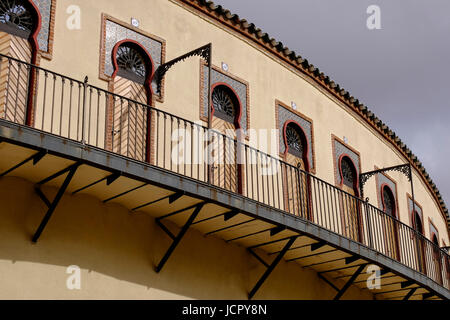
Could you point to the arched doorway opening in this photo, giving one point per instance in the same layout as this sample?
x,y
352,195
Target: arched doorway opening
x,y
297,182
226,172
131,120
437,258
390,208
350,208
20,23
420,245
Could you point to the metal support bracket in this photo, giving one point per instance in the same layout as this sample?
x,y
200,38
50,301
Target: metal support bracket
x,y
109,179
350,281
351,259
365,176
41,195
174,197
176,239
410,293
277,230
204,52
317,245
428,295
52,205
230,214
328,282
270,267
35,157
406,284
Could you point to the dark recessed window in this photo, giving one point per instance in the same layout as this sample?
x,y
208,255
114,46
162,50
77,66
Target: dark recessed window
x,y
294,140
16,17
224,103
388,201
418,223
131,63
348,172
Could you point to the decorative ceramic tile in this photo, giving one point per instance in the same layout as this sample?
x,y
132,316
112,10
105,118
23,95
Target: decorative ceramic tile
x,y
116,33
340,149
410,205
44,7
433,230
381,180
239,87
286,115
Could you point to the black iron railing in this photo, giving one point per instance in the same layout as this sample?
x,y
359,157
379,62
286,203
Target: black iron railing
x,y
76,110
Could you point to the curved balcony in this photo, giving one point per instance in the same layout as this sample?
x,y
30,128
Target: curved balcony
x,y
51,103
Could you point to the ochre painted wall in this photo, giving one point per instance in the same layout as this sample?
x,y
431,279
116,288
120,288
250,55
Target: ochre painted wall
x,y
117,251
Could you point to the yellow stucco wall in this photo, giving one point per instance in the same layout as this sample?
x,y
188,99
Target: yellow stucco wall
x,y
117,252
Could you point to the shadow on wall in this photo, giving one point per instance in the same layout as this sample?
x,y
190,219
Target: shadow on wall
x,y
117,252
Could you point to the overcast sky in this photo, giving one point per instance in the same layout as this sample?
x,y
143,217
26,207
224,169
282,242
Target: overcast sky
x,y
401,72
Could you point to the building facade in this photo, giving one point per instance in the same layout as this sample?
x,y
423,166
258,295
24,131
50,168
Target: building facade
x,y
171,149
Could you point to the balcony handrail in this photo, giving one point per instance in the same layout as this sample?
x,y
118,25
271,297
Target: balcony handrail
x,y
193,123
279,162
33,66
365,202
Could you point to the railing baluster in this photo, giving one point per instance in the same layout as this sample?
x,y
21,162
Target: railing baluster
x,y
53,103
89,116
62,106
192,150
70,107
251,166
8,89
98,118
79,123
19,68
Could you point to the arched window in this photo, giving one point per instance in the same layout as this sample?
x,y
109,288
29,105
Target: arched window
x,y
348,172
17,17
435,240
437,258
294,140
388,201
130,124
132,63
225,103
418,222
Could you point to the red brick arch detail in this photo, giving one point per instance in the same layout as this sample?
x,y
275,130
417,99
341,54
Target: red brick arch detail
x,y
383,186
151,74
305,140
355,171
237,119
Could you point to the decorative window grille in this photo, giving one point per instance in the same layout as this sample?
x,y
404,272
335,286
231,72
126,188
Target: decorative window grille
x,y
16,17
224,104
131,63
388,200
294,140
347,172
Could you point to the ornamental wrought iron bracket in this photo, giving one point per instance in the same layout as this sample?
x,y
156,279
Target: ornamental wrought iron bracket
x,y
176,239
203,52
51,205
270,267
350,282
364,177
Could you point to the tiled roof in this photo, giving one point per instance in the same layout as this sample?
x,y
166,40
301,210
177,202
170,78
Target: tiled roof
x,y
251,31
